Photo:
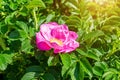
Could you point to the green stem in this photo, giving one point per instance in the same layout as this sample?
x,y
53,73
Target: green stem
x,y
35,19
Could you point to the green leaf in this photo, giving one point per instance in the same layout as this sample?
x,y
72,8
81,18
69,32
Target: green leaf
x,y
102,65
31,31
15,45
22,25
86,66
92,35
2,43
28,76
98,53
88,54
35,68
76,22
115,77
36,3
5,59
14,34
82,52
97,71
79,73
23,34
52,60
110,73
93,56
13,6
48,76
10,18
3,29
3,63
50,17
66,60
48,1
26,45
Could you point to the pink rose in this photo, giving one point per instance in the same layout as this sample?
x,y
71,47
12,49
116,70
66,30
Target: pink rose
x,y
56,36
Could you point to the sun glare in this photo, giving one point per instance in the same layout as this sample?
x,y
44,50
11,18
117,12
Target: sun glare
x,y
102,2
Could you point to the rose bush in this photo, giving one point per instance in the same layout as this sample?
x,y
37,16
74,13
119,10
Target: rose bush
x,y
56,36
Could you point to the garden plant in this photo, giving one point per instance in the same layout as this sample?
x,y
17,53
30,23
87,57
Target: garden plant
x,y
59,39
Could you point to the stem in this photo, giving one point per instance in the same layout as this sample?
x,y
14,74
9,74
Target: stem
x,y
35,19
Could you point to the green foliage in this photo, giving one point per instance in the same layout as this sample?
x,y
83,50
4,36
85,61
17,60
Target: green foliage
x,y
5,59
29,76
98,28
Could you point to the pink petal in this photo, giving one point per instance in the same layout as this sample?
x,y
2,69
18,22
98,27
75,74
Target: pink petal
x,y
55,45
60,32
73,35
68,47
43,46
41,43
45,29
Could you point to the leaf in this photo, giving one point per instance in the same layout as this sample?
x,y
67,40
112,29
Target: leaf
x,y
52,60
23,34
86,66
14,34
79,73
2,43
35,68
22,25
31,31
98,53
82,52
113,20
102,65
5,59
36,3
28,76
66,60
26,45
15,45
3,29
72,4
23,11
3,63
97,71
88,54
110,73
13,6
48,1
10,18
48,76
92,35
93,56
8,58
50,17
76,22
109,77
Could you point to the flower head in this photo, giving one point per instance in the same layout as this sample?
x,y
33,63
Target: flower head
x,y
58,37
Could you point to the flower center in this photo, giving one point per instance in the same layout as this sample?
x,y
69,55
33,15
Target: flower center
x,y
59,42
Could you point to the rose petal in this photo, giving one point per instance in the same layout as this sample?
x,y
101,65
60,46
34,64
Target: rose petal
x,y
60,32
41,43
43,46
73,35
68,47
45,30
